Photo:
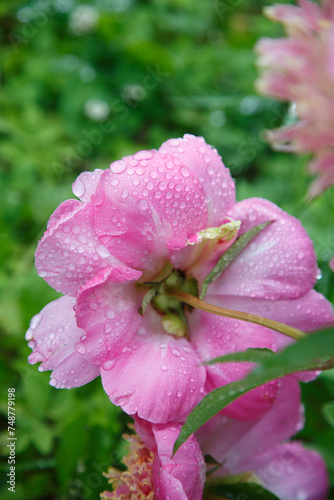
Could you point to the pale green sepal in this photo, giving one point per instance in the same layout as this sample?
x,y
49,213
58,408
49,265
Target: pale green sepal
x,y
148,299
226,232
226,259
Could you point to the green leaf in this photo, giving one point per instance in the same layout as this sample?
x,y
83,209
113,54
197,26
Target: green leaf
x,y
226,259
252,355
328,412
314,352
248,491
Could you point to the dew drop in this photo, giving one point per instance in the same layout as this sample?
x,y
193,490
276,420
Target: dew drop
x,y
164,368
78,188
80,348
108,365
143,155
143,205
185,171
35,321
102,251
210,170
118,166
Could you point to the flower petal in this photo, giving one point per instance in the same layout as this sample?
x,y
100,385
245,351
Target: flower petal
x,y
107,309
178,477
158,377
279,263
86,184
147,201
70,253
52,336
309,313
213,336
235,443
292,472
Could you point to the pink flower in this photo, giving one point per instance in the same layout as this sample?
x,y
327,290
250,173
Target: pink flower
x,y
300,69
331,264
151,213
153,472
254,450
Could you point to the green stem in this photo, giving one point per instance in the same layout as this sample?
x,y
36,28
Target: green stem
x,y
230,313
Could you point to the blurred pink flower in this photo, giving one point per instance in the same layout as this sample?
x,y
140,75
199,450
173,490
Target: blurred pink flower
x,y
331,264
148,210
255,451
300,69
153,472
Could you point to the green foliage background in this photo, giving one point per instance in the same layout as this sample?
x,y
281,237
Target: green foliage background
x,y
77,96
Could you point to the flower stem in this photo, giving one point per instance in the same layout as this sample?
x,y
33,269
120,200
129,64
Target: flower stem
x,y
230,313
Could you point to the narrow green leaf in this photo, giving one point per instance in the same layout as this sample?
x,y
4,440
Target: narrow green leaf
x,y
252,355
226,259
315,352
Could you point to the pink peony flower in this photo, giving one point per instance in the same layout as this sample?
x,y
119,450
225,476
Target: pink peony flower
x,y
300,69
152,471
157,212
253,450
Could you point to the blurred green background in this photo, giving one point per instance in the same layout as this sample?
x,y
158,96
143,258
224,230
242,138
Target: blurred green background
x,y
82,85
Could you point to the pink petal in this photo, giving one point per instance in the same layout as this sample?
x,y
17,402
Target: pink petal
x,y
331,264
181,477
206,165
178,477
86,184
279,263
213,336
70,253
52,336
157,376
292,472
148,200
66,208
235,443
308,313
107,309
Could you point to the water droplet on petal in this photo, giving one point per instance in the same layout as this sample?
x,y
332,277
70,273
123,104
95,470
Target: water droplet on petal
x,y
143,155
108,365
143,205
78,188
102,251
185,171
164,367
35,321
53,382
118,166
80,348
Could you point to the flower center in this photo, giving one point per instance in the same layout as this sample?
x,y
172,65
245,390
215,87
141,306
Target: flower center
x,y
171,309
136,481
